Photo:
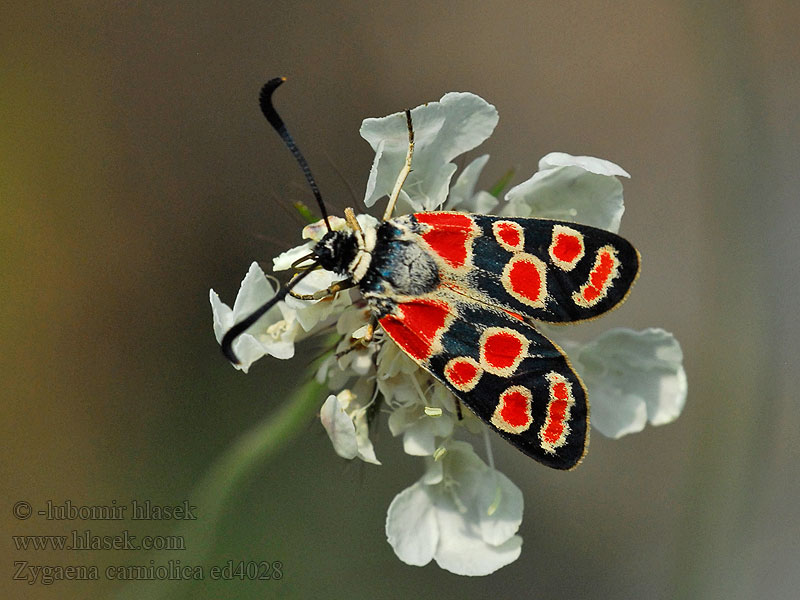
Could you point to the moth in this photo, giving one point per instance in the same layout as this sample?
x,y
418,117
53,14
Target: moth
x,y
460,294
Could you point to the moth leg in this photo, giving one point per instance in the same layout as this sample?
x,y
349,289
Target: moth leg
x,y
332,290
398,185
298,264
370,334
458,409
363,341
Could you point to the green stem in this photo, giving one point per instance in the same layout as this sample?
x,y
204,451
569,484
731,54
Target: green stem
x,y
211,494
258,445
502,183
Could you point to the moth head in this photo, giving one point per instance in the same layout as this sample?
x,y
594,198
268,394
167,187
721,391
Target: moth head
x,y
336,250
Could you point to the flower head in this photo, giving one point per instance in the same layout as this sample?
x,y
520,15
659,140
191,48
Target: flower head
x,y
462,513
272,334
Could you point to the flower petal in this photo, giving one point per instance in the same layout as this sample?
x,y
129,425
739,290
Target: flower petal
x,y
248,350
617,416
580,189
463,189
411,526
310,312
340,428
482,203
378,165
366,451
222,315
279,338
434,474
285,260
477,525
254,291
500,505
419,438
591,164
392,361
459,122
439,517
461,552
633,377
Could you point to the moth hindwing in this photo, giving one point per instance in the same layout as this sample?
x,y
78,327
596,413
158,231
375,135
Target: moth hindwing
x,y
458,293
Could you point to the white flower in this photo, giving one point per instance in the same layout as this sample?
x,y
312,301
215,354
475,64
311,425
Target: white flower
x,y
442,131
272,334
312,312
345,420
286,260
633,377
422,421
461,513
580,189
463,196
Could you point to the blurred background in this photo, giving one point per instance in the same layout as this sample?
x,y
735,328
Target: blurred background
x,y
137,172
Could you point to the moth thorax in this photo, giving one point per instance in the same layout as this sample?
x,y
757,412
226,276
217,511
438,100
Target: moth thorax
x,y
336,251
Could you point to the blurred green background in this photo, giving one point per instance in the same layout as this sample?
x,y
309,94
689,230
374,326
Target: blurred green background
x,y
136,172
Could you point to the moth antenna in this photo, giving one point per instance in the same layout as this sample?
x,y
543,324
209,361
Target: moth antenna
x,y
265,100
401,179
240,327
350,218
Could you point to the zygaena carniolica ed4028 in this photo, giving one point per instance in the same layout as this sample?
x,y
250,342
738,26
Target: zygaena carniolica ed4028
x,y
459,293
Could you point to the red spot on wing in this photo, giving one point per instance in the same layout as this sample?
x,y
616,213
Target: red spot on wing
x,y
502,350
463,373
509,234
598,278
526,280
416,326
567,247
556,414
555,430
448,236
515,408
513,413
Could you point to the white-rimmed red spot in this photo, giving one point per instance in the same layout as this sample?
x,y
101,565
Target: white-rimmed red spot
x,y
513,411
501,350
416,328
566,248
450,235
555,430
605,269
525,278
463,373
509,235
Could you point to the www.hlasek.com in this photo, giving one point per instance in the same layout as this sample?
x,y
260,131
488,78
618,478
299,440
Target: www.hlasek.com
x,y
86,540
173,570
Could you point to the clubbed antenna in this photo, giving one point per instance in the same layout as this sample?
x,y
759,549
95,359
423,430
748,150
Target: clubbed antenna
x,y
265,99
